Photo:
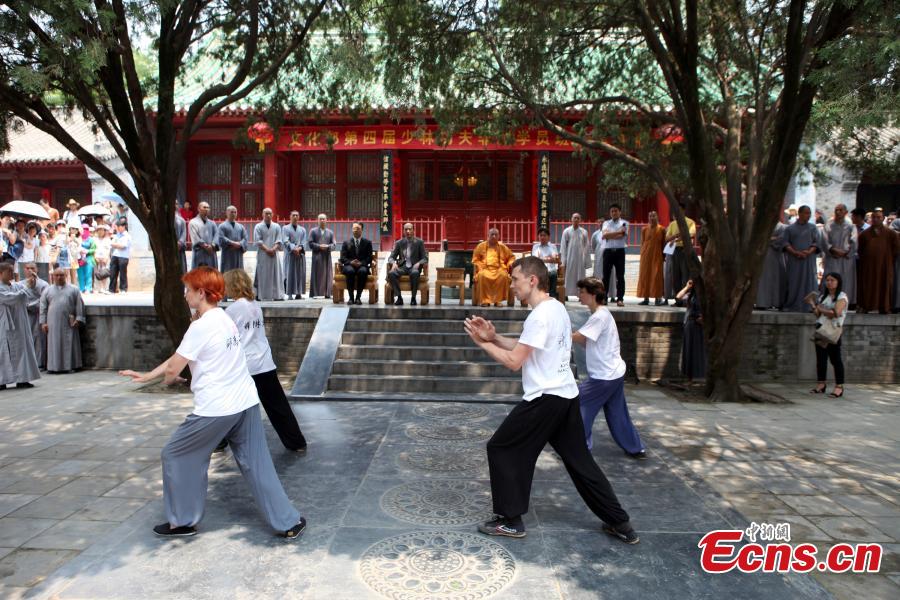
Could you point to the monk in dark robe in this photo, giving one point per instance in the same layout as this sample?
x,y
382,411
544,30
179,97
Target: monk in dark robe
x,y
878,245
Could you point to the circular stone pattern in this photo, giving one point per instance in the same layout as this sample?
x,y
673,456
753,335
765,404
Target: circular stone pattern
x,y
441,459
451,411
463,434
439,502
446,565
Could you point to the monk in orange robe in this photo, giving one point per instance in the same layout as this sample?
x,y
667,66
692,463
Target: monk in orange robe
x,y
492,260
650,277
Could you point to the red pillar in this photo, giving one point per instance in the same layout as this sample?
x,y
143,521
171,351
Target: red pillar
x,y
662,208
270,189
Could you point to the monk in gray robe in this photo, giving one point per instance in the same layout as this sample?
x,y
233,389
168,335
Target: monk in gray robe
x,y
321,243
181,237
204,237
62,312
269,282
575,254
801,243
293,238
773,281
841,246
232,241
597,247
34,286
18,364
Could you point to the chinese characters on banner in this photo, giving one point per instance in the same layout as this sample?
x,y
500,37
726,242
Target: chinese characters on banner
x,y
543,189
386,196
411,137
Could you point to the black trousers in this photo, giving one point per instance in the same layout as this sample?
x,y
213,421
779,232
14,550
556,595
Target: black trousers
x,y
833,353
553,281
679,270
615,257
356,279
118,273
514,448
277,407
394,278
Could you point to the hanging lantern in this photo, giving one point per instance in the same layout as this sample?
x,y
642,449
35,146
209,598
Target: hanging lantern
x,y
261,133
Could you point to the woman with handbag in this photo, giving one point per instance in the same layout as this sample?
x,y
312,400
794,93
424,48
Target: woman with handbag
x,y
830,311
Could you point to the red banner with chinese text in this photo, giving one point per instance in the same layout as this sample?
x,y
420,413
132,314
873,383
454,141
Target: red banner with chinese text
x,y
411,137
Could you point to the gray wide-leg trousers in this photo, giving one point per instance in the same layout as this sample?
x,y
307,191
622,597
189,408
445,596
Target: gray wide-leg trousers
x,y
185,462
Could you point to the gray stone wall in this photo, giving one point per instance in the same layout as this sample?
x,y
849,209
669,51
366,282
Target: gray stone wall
x,y
777,346
131,337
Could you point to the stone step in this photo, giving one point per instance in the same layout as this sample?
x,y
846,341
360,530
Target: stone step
x,y
434,340
413,368
412,397
404,353
443,312
424,326
440,385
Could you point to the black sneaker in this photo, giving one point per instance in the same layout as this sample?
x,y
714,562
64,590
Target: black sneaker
x,y
398,302
412,302
221,447
629,536
501,526
24,385
301,451
164,530
642,455
296,530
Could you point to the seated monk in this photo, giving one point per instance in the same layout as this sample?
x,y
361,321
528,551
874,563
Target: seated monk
x,y
492,260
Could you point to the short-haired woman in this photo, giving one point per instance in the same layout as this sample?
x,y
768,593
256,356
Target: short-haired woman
x,y
225,406
831,306
247,315
605,385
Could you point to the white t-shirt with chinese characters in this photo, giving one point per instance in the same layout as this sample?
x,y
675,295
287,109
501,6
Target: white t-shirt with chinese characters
x,y
248,317
546,370
220,380
604,360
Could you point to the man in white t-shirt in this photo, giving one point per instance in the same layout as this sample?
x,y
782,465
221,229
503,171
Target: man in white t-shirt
x,y
550,411
605,385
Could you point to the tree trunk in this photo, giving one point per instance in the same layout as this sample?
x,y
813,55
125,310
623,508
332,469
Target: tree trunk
x,y
168,291
728,292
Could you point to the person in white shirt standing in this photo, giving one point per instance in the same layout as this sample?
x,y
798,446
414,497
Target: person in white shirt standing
x,y
121,251
550,411
615,239
605,386
247,315
226,406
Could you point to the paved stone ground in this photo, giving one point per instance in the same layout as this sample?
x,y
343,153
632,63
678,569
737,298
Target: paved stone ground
x,y
393,490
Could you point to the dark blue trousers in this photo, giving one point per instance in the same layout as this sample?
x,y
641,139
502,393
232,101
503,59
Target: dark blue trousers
x,y
610,396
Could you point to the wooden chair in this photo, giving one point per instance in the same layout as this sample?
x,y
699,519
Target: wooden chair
x,y
560,281
340,282
510,296
450,277
405,287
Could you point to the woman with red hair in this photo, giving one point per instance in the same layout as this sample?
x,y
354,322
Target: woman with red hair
x,y
226,406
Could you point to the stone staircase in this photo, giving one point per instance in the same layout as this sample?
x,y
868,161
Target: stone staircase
x,y
421,353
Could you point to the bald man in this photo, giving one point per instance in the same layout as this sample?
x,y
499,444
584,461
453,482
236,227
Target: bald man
x,y
18,363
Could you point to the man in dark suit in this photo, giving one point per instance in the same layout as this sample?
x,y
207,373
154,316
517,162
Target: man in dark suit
x,y
407,258
356,258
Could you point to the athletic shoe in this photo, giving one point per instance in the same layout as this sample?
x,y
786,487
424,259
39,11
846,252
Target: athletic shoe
x,y
629,537
24,385
296,530
642,455
301,450
502,526
164,530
